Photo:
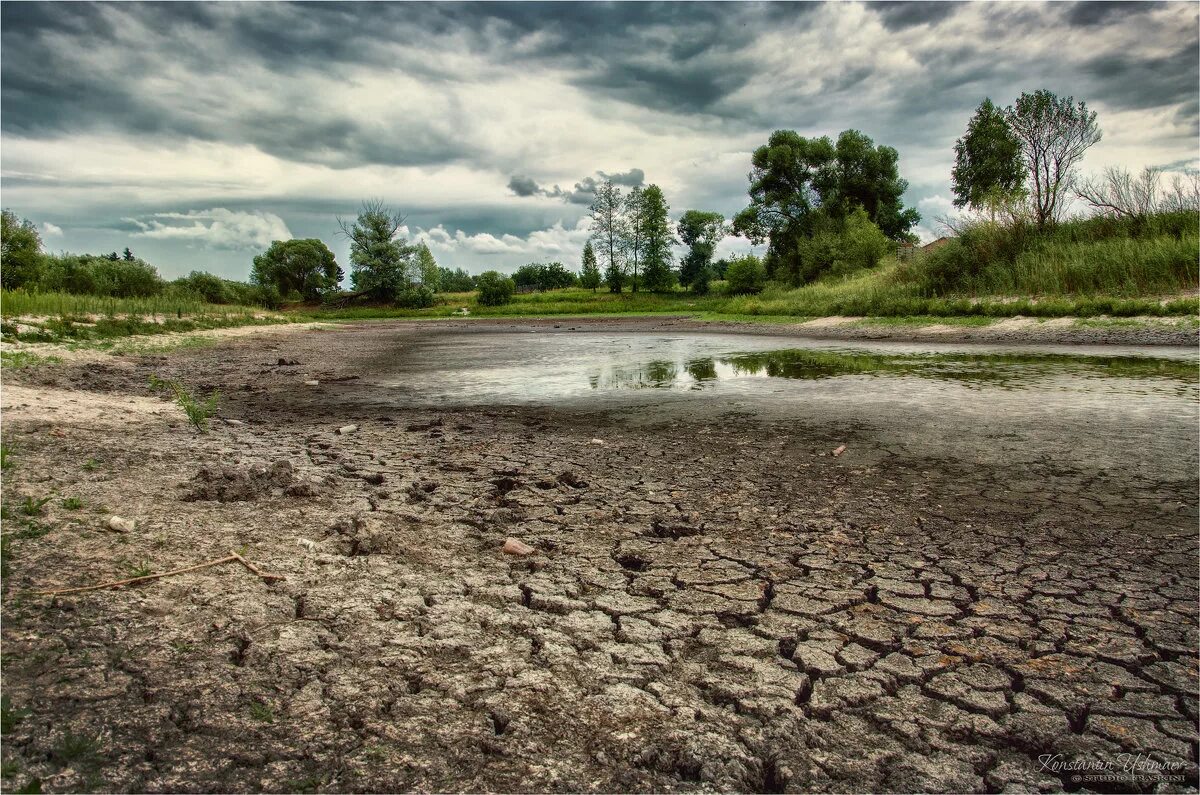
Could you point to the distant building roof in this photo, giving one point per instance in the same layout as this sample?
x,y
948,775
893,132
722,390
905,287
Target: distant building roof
x,y
941,241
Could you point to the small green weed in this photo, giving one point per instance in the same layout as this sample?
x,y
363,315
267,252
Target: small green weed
x,y
92,464
9,769
71,503
197,411
6,456
10,718
19,360
140,569
261,712
76,749
32,507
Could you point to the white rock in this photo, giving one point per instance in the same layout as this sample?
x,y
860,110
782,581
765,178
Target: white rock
x,y
311,383
119,525
347,429
234,422
597,441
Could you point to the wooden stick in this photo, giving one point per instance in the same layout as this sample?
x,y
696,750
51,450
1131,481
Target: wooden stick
x,y
231,557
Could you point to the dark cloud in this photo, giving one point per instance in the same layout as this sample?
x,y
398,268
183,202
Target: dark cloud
x,y
1089,14
899,16
1130,83
583,192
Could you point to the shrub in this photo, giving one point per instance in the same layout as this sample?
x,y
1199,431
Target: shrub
x,y
85,274
746,275
416,297
197,411
495,289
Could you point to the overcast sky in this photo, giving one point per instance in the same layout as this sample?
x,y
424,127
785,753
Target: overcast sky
x,y
198,133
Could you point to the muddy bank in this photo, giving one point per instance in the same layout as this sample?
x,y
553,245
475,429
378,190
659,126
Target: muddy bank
x,y
715,601
1010,331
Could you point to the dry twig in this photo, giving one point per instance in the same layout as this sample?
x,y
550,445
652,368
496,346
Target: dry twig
x,y
230,558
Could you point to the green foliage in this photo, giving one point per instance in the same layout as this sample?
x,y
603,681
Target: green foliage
x,y
427,267
495,289
799,185
87,274
197,411
1110,256
700,231
837,248
1054,133
20,251
609,231
419,296
32,507
19,360
306,267
589,275
455,281
261,712
383,266
6,456
544,276
76,750
140,569
987,160
656,237
746,275
71,503
11,717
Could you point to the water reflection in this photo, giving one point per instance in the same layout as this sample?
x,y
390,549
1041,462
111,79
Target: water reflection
x,y
970,369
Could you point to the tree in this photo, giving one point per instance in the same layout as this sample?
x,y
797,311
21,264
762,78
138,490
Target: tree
x,y
657,238
746,275
987,160
306,267
542,276
455,281
495,288
867,176
793,177
431,275
589,275
128,255
1054,133
383,266
700,231
20,251
608,230
635,232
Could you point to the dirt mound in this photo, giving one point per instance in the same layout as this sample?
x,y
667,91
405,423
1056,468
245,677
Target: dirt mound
x,y
241,484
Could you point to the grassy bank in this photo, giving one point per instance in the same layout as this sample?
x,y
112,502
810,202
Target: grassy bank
x,y
65,317
887,291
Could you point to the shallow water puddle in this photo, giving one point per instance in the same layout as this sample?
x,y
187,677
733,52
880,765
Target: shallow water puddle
x,y
552,368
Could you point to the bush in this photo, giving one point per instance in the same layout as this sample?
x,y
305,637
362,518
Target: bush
x,y
204,285
544,276
416,297
495,289
85,274
746,275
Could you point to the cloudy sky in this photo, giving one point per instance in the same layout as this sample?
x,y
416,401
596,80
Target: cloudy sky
x,y
198,133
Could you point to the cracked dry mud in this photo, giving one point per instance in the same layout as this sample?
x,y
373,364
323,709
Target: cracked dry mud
x,y
715,603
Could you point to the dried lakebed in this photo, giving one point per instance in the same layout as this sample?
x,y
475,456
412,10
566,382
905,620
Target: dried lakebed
x,y
992,586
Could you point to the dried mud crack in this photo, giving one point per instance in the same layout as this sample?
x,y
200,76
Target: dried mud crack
x,y
715,602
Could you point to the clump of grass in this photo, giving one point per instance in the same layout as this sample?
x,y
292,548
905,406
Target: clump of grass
x,y
32,507
71,503
10,717
261,712
19,360
92,464
197,411
6,456
140,569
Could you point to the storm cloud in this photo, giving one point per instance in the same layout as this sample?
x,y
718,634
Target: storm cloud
x,y
495,122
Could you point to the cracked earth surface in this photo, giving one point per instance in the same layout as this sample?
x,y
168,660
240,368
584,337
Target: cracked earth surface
x,y
715,601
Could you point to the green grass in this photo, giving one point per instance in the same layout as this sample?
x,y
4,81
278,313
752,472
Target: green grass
x,y
18,303
197,411
71,503
6,456
261,712
19,360
32,507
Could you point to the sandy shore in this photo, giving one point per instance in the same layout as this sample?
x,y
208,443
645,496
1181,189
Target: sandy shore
x,y
714,601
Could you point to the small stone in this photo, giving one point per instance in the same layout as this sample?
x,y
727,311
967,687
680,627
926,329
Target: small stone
x,y
347,429
513,546
120,525
311,383
597,441
234,422
839,451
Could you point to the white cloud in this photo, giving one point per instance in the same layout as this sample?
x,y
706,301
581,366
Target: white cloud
x,y
215,228
51,230
556,243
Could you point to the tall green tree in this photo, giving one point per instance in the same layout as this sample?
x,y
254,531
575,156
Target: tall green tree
x,y
427,267
657,238
589,274
867,176
1054,133
307,267
987,160
20,251
609,232
700,231
384,266
635,233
